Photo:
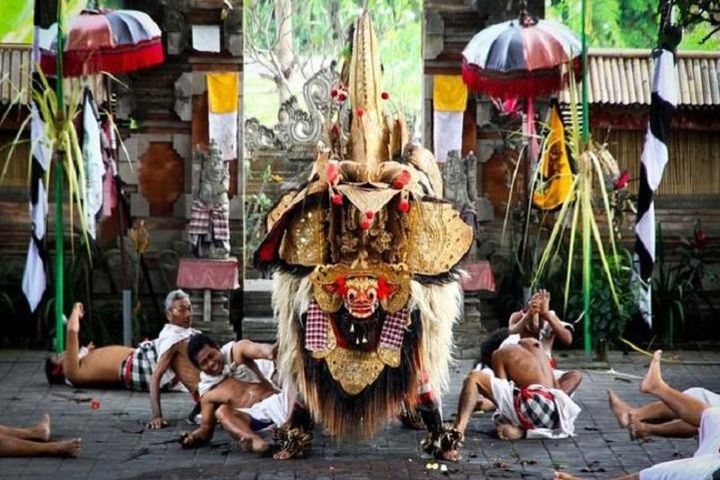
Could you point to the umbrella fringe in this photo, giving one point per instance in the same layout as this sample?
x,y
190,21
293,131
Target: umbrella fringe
x,y
517,83
117,61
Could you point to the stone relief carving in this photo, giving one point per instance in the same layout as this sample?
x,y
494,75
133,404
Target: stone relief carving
x,y
296,128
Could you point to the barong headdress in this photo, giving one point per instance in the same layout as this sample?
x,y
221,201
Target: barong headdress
x,y
373,200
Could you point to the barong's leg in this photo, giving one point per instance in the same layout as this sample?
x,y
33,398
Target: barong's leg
x,y
442,440
295,437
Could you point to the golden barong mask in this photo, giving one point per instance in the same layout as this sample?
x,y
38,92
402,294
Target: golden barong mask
x,y
361,290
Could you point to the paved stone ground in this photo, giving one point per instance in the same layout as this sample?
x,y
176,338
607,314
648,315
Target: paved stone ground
x,y
116,445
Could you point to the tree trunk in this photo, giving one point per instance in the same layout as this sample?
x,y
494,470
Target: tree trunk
x,y
283,50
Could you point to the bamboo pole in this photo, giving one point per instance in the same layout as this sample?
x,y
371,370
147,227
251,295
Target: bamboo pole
x,y
59,179
586,247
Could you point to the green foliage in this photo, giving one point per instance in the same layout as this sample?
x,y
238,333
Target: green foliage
x,y
257,205
678,288
16,18
625,24
320,29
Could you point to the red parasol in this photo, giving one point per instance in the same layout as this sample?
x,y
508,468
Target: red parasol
x,y
525,57
112,41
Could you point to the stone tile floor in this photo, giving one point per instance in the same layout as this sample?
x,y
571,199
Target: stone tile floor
x,y
117,446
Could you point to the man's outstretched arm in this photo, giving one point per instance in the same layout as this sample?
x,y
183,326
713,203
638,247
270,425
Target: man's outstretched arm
x,y
157,420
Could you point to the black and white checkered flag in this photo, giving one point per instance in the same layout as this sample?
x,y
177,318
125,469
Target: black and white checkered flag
x,y
653,160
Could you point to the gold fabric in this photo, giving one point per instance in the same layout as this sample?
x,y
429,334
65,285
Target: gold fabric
x,y
354,369
304,242
439,238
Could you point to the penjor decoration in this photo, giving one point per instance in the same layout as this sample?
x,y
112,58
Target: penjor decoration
x,y
364,285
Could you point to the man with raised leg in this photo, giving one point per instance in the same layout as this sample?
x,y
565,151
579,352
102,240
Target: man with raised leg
x,y
705,463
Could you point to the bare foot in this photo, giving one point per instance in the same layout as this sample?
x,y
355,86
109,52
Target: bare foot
x,y
636,427
42,429
67,448
510,432
451,456
620,408
565,476
653,378
283,455
254,444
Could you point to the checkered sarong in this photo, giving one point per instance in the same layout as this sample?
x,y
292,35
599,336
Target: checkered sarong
x,y
206,219
393,329
536,408
316,327
136,370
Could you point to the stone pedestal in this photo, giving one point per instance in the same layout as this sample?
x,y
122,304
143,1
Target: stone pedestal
x,y
470,330
208,282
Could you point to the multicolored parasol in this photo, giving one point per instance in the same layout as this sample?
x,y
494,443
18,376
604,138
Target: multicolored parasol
x,y
525,57
112,41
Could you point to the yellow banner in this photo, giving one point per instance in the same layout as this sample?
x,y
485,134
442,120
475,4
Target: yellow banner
x,y
554,185
223,92
449,93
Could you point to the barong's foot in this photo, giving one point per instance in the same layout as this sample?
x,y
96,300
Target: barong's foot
x,y
653,378
67,448
443,443
411,419
620,408
565,476
293,443
636,428
253,444
506,431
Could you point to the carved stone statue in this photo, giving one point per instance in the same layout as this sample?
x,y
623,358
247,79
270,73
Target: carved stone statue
x,y
209,227
460,184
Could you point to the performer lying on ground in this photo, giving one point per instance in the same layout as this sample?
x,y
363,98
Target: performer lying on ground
x,y
236,391
132,368
34,441
538,321
524,392
656,418
705,463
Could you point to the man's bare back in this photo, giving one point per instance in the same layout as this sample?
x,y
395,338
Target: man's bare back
x,y
524,363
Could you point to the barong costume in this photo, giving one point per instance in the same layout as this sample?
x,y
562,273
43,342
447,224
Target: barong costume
x,y
364,286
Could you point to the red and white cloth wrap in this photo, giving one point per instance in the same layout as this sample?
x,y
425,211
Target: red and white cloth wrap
x,y
206,219
535,407
393,329
316,327
505,395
